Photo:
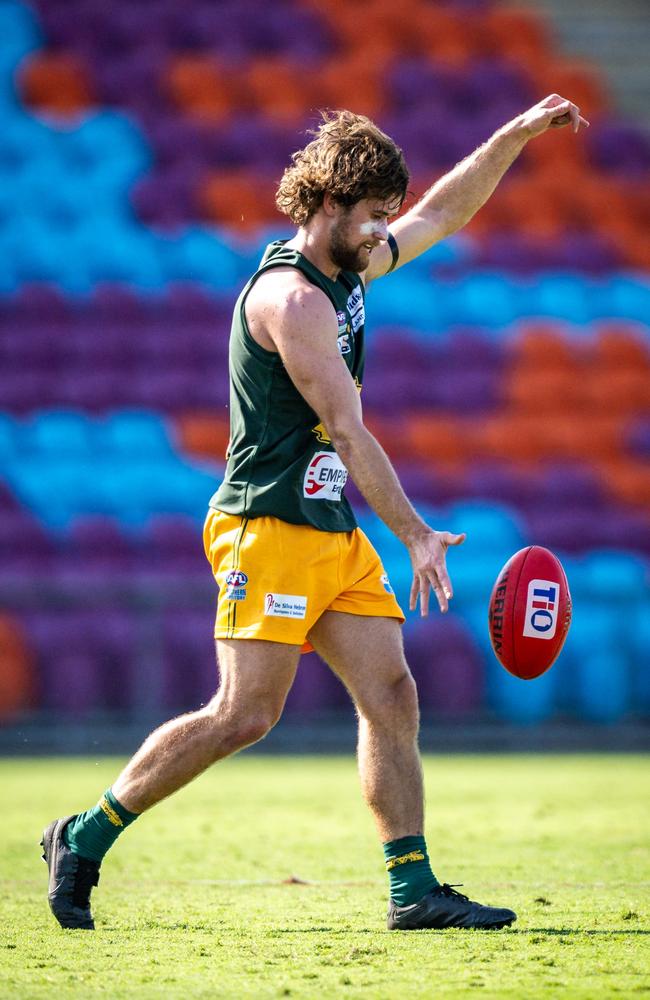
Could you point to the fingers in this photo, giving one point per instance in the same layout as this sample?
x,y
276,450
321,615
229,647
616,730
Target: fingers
x,y
415,590
421,588
561,112
442,593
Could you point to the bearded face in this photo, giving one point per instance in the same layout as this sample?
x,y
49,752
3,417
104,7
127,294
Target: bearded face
x,y
348,248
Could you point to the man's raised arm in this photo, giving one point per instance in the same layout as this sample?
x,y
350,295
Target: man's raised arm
x,y
458,195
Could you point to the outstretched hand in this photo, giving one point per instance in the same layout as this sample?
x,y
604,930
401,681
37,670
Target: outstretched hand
x,y
553,112
428,558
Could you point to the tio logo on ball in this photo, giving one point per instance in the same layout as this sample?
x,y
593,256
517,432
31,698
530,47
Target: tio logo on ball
x,y
540,620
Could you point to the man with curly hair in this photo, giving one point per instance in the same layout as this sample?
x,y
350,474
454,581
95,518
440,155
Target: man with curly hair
x,y
294,571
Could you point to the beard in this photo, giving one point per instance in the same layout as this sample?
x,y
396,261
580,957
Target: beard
x,y
343,254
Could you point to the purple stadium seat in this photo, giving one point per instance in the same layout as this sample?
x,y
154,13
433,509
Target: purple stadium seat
x,y
175,541
638,438
25,391
98,541
493,481
176,137
620,148
41,302
446,665
185,301
165,199
495,80
468,345
24,543
90,390
190,673
316,689
393,348
570,483
112,303
164,389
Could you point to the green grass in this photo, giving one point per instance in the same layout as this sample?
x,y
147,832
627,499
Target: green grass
x,y
194,900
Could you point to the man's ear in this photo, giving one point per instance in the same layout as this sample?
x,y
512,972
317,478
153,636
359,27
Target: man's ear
x,y
330,205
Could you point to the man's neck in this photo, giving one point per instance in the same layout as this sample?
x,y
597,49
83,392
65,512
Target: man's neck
x,y
312,246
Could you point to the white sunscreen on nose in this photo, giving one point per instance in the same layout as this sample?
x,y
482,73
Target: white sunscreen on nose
x,y
366,228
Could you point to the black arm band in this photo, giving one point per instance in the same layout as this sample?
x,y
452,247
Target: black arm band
x,y
394,249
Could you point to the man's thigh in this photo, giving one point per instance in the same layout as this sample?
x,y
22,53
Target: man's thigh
x,y
366,653
256,672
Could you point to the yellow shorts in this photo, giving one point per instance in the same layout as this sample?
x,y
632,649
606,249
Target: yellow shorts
x,y
276,579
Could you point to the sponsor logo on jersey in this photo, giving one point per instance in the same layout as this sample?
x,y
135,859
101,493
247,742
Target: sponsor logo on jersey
x,y
235,585
285,605
325,477
541,609
343,343
342,320
355,300
386,583
356,308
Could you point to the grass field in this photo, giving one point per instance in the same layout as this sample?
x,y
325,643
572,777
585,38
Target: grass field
x,y
196,900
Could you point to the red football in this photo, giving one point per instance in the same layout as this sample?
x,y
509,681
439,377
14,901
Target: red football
x,y
530,612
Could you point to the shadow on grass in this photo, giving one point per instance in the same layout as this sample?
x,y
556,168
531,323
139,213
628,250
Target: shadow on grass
x,y
569,931
521,931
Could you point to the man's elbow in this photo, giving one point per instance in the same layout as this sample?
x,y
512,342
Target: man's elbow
x,y
347,434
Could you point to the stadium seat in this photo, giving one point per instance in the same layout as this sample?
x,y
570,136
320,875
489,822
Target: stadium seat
x,y
56,84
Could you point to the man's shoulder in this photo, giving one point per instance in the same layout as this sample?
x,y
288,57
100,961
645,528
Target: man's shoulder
x,y
285,288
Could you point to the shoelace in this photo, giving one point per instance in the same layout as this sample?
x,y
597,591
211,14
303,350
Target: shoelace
x,y
449,890
87,876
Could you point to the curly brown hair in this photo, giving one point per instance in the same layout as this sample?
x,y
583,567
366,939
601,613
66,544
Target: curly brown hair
x,y
349,157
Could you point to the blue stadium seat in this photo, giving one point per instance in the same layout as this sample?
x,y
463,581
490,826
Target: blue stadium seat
x,y
516,700
408,299
59,434
603,680
487,299
564,296
137,433
19,32
199,255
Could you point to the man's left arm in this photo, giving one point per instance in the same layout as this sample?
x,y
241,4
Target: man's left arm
x,y
458,195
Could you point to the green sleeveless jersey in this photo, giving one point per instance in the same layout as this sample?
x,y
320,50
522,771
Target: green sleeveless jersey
x,y
281,461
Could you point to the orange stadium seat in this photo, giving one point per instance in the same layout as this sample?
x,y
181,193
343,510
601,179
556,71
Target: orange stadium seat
x,y
579,82
544,390
436,438
203,88
628,480
445,35
57,83
520,205
203,434
515,32
355,82
282,91
242,200
511,436
18,686
556,147
617,391
620,344
543,345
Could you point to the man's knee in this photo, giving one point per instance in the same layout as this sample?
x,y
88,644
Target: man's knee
x,y
235,727
393,704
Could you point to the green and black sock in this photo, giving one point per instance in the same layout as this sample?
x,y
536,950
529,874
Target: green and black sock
x,y
93,832
409,871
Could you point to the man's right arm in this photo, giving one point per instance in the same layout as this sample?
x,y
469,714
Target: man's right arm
x,y
301,324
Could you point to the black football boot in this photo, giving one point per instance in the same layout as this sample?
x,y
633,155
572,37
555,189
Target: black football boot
x,y
71,878
444,907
